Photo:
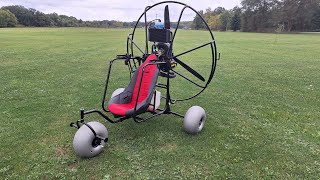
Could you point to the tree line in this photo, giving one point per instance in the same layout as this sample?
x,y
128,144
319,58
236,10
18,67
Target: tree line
x,y
264,16
30,17
252,16
11,16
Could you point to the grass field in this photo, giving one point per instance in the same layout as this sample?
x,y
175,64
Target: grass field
x,y
263,109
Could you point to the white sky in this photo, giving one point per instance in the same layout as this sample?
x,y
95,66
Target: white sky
x,y
115,9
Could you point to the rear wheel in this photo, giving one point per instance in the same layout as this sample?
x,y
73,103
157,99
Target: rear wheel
x,y
194,120
116,92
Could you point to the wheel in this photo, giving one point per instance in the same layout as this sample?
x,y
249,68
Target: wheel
x,y
116,92
86,144
194,120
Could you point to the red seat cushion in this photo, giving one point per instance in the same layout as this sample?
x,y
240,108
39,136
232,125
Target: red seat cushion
x,y
121,109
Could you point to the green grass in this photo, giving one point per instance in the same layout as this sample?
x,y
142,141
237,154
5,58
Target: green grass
x,y
263,108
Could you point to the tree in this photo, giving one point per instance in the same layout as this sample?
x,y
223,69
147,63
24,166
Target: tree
x,y
307,10
42,20
289,10
7,19
24,16
315,21
219,10
197,22
214,22
257,14
208,14
236,19
225,18
54,19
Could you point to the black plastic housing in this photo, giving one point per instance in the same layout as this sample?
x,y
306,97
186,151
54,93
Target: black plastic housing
x,y
159,35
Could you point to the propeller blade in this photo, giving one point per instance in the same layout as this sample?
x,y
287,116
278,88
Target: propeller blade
x,y
166,17
188,68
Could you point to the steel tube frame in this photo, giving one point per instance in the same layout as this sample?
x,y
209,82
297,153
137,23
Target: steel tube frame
x,y
130,40
135,114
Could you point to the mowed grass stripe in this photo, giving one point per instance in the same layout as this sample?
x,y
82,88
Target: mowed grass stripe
x,y
262,107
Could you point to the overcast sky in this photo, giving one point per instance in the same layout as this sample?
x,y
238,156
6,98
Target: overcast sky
x,y
122,10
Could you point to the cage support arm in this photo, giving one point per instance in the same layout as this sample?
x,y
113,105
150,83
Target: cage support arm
x,y
131,40
198,47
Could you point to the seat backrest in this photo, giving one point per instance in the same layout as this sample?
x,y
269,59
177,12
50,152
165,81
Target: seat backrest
x,y
123,104
149,79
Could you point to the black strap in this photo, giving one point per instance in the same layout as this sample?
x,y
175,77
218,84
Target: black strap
x,y
95,134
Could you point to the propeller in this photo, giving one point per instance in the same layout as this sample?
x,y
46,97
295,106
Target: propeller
x,y
167,26
166,17
188,68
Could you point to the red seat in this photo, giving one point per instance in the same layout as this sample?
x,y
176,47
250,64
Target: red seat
x,y
124,103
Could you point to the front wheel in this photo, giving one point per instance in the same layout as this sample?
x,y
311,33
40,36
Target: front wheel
x,y
86,144
194,120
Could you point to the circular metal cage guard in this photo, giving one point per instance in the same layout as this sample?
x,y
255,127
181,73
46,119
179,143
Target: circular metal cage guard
x,y
145,51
